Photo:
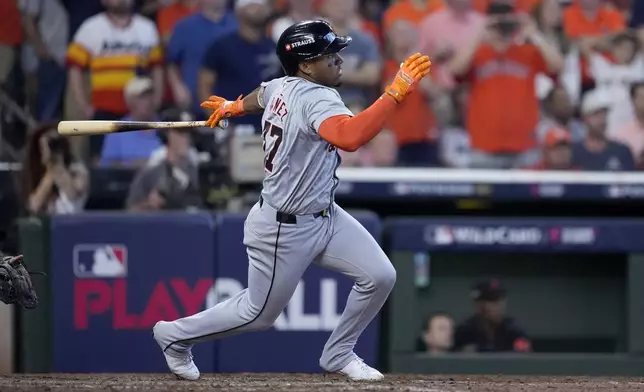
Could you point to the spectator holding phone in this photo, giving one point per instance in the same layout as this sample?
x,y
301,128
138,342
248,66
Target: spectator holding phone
x,y
52,182
500,66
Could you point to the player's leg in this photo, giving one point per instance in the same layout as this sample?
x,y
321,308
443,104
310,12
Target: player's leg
x,y
353,252
278,255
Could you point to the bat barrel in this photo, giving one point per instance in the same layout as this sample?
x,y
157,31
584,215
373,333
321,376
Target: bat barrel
x,y
101,127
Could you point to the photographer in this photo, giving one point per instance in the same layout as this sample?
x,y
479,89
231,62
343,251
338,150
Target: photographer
x,y
52,183
500,66
172,183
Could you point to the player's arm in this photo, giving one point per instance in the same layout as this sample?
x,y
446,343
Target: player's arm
x,y
350,133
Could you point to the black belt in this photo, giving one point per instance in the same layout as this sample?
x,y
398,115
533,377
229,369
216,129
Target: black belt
x,y
283,217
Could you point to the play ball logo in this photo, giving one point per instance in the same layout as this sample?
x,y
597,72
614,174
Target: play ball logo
x,y
100,261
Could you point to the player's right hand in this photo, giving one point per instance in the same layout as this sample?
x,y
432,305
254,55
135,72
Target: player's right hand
x,y
410,73
222,109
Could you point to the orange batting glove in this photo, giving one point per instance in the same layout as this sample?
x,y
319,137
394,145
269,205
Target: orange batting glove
x,y
222,109
410,73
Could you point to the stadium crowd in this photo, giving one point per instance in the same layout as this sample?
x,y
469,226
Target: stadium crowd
x,y
516,84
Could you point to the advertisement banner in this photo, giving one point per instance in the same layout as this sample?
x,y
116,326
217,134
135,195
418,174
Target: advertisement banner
x,y
295,342
450,234
115,275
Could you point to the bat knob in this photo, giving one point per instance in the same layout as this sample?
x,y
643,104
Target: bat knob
x,y
223,123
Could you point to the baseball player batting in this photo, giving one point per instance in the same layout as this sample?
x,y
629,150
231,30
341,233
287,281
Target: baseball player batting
x,y
296,221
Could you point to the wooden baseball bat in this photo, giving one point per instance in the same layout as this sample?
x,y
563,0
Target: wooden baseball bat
x,y
101,127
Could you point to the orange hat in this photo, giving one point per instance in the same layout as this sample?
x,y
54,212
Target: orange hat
x,y
556,135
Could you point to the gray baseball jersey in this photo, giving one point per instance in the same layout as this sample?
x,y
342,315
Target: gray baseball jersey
x,y
300,166
300,181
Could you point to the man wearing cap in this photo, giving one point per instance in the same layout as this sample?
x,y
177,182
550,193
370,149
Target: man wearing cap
x,y
489,330
132,149
238,62
172,183
597,152
556,152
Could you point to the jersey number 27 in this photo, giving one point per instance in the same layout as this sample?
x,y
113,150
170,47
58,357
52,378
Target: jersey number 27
x,y
275,132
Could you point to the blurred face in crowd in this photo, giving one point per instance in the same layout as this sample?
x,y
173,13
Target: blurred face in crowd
x,y
590,5
384,149
213,5
491,311
179,142
120,7
550,14
302,6
460,5
254,14
561,107
439,334
325,70
142,106
638,100
596,122
558,156
623,50
401,39
339,12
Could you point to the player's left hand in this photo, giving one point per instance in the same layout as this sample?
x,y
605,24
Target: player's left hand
x,y
222,109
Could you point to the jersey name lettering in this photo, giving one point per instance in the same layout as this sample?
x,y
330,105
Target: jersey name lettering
x,y
279,107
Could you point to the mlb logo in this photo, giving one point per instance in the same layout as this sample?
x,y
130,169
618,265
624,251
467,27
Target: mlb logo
x,y
100,261
439,235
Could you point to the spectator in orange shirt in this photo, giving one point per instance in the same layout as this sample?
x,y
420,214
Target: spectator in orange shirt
x,y
413,11
556,151
591,23
169,16
446,31
11,36
413,123
500,66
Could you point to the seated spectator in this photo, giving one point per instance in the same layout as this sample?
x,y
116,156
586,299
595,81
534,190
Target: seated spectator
x,y
11,37
173,183
362,65
632,133
447,31
413,11
254,61
597,151
438,334
185,53
413,122
489,330
613,76
500,66
381,151
53,182
556,152
298,10
133,149
161,153
558,111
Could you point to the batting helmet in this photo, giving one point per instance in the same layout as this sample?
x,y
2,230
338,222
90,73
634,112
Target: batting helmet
x,y
307,40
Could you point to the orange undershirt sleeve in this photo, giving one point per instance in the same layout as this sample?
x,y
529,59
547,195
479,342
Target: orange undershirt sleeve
x,y
350,133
